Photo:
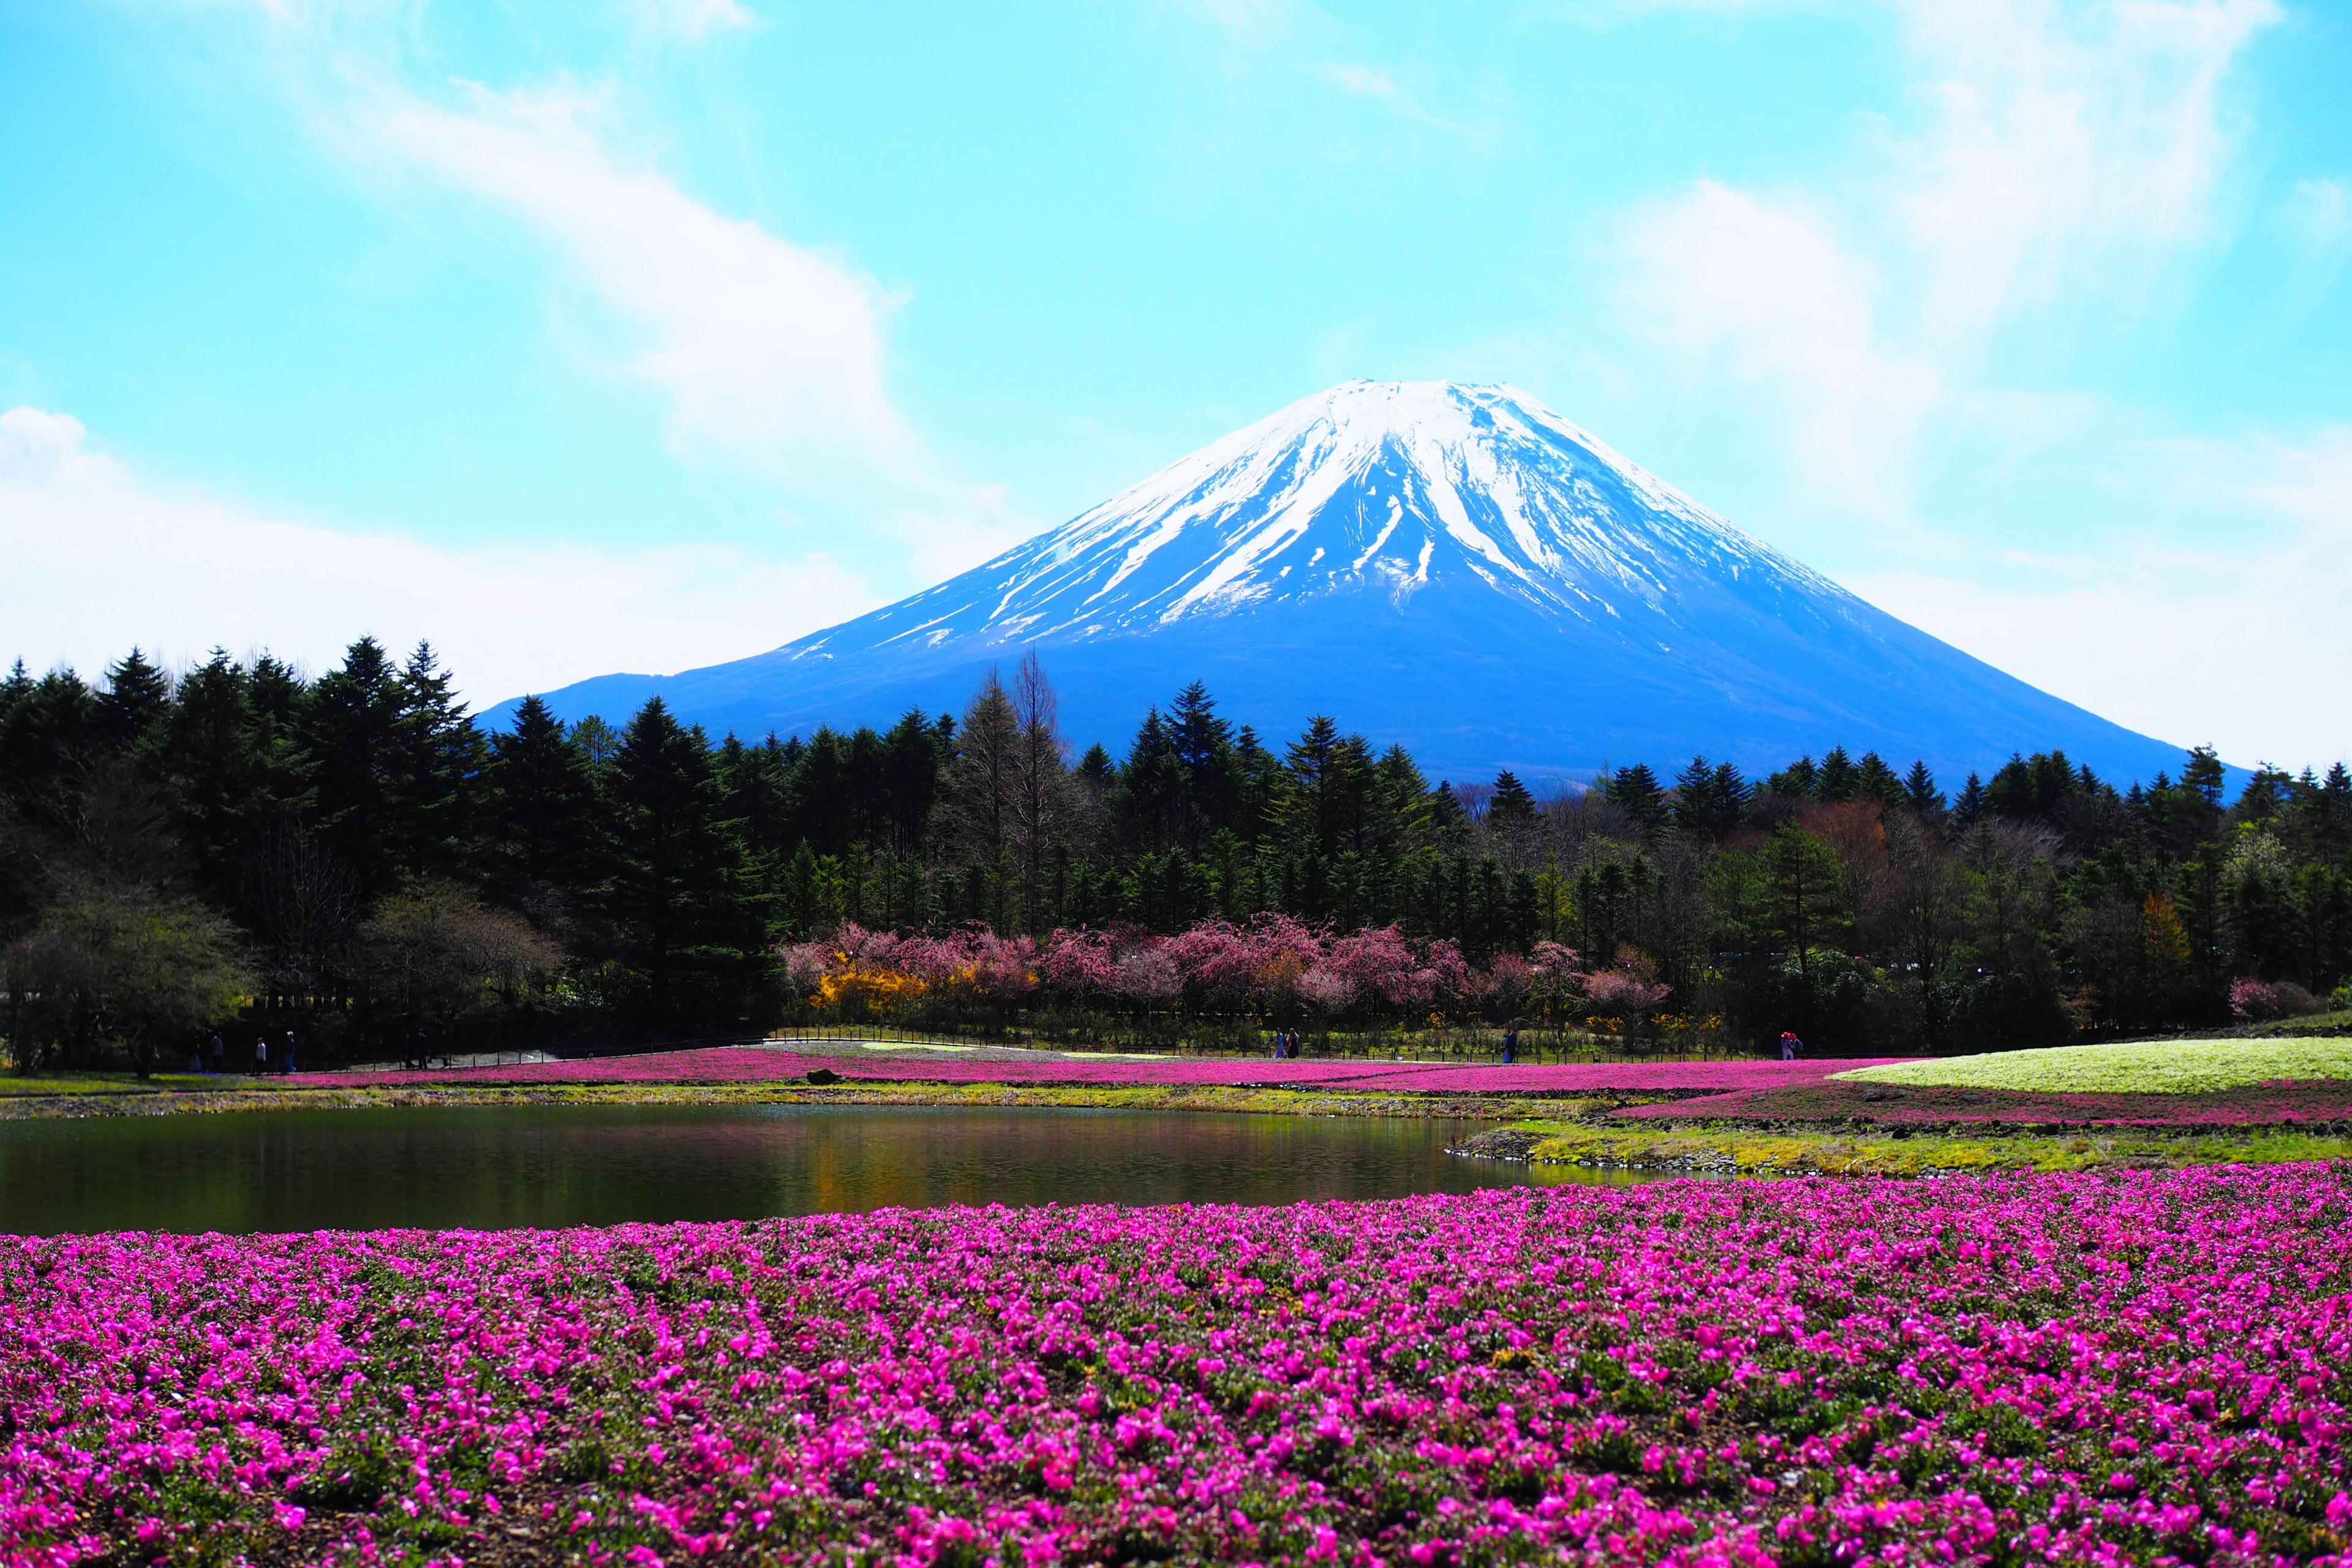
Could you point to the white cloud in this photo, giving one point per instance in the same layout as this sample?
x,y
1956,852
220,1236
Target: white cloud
x,y
1762,288
2068,149
770,353
689,20
2240,646
2064,158
2054,164
2319,212
99,559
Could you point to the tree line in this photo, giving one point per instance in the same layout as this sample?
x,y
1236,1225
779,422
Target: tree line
x,y
354,855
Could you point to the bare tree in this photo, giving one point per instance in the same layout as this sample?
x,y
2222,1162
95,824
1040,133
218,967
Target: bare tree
x,y
305,905
975,807
128,968
436,959
1044,801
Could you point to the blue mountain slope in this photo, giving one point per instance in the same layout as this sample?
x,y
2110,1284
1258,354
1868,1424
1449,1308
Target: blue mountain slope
x,y
1454,567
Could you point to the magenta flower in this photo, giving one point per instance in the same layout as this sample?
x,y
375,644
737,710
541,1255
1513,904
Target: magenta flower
x,y
2146,1367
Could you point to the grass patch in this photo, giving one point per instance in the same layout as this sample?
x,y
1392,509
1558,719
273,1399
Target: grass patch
x,y
14,1086
1738,1150
2139,1067
214,1097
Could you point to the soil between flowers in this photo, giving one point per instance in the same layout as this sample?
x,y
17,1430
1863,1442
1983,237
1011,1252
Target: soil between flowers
x,y
2093,1368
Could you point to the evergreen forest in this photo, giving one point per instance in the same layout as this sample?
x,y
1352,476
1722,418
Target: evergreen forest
x,y
241,846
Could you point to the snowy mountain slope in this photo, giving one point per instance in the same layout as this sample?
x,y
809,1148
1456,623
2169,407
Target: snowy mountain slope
x,y
1455,567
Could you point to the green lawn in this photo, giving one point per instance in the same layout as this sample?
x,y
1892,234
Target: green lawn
x,y
12,1084
1733,1150
2145,1066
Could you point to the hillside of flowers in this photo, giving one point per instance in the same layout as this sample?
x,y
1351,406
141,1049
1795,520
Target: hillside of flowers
x,y
2099,1369
1220,983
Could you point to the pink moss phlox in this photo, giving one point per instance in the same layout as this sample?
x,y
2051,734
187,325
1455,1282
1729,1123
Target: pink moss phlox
x,y
754,1063
2138,1367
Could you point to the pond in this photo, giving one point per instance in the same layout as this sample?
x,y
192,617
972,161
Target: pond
x,y
483,1167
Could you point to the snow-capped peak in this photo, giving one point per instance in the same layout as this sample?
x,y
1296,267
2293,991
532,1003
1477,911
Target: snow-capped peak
x,y
1370,487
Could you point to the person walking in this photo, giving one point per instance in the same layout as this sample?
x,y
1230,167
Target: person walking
x,y
220,1054
196,1059
261,1055
287,1066
1790,1045
1511,1043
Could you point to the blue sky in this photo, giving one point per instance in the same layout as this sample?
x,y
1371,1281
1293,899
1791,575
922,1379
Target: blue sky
x,y
646,334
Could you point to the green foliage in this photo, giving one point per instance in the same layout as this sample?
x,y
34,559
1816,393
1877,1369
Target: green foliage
x,y
1842,897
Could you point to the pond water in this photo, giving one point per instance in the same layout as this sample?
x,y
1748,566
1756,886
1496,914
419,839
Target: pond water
x,y
482,1167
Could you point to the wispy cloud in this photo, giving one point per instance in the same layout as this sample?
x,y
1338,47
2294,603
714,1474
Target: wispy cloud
x,y
2234,646
692,20
2319,213
2056,159
178,571
770,353
1765,291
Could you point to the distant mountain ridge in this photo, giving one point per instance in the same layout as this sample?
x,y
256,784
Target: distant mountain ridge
x,y
1454,567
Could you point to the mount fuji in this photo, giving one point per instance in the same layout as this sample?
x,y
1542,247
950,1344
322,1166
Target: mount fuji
x,y
1454,567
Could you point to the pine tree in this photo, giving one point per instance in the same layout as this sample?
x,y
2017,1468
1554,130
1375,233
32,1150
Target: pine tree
x,y
539,811
440,752
681,893
351,730
1875,781
1707,800
1146,799
1970,807
235,778
912,752
1800,780
1204,745
1511,808
137,698
1635,791
1448,820
1400,804
1839,778
1919,791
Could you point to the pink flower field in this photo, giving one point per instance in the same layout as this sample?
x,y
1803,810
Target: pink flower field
x,y
753,1064
2135,1368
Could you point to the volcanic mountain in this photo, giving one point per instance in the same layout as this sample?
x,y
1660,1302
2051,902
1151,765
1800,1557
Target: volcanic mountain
x,y
1454,567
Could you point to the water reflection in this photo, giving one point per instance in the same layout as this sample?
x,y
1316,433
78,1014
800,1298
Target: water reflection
x,y
492,1166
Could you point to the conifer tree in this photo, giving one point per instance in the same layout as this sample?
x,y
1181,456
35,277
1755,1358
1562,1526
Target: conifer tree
x,y
1635,791
350,728
1875,781
1919,791
1147,800
1839,778
1204,745
235,778
1511,807
1970,806
681,893
541,816
1800,780
912,752
439,754
137,698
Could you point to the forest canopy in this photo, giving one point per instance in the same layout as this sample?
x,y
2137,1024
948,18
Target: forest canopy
x,y
239,846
